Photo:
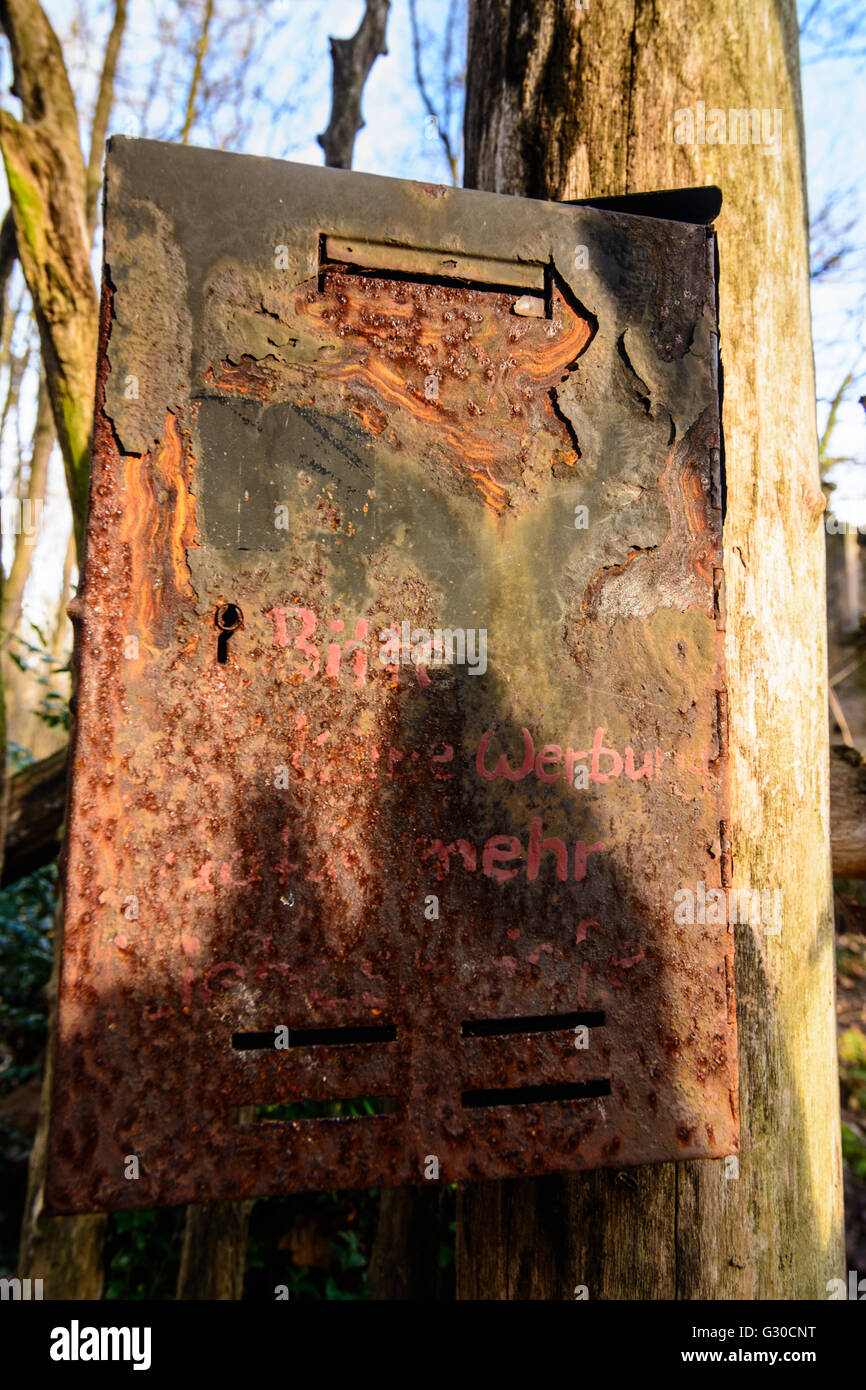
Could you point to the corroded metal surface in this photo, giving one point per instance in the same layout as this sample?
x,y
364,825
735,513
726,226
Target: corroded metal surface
x,y
310,859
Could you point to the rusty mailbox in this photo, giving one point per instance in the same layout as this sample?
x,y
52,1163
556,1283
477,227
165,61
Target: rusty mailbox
x,y
400,748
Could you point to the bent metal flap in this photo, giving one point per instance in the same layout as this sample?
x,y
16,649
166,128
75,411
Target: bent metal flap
x,y
396,848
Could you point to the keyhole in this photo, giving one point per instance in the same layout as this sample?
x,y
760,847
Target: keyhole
x,y
228,618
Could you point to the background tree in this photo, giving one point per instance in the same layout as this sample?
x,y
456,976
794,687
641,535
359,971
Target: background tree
x,y
54,197
565,102
48,190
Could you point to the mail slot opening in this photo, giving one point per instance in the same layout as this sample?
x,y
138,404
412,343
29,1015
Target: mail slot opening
x,y
536,1095
529,281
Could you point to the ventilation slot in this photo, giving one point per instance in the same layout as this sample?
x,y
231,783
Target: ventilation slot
x,y
536,1095
357,1108
540,1023
315,1037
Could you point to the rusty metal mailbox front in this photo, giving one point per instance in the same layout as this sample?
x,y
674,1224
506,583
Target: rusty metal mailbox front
x,y
400,747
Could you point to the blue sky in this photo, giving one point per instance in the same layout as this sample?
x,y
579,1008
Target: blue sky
x,y
834,103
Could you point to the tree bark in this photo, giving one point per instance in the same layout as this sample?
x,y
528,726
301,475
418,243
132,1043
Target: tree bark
x,y
37,796
352,60
8,257
404,1265
562,102
47,192
65,1252
848,802
213,1255
46,177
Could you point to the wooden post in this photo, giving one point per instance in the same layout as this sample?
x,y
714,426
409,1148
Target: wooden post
x,y
214,1251
562,102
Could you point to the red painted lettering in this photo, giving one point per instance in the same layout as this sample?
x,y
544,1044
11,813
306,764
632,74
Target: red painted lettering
x,y
502,768
582,852
536,845
646,770
444,852
510,849
599,751
550,753
302,643
278,618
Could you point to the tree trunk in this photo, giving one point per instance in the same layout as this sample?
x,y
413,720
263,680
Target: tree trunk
x,y
40,453
37,796
853,609
214,1251
848,792
47,190
65,1252
404,1265
560,102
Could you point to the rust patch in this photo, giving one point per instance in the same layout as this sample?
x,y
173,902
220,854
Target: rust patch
x,y
425,361
249,377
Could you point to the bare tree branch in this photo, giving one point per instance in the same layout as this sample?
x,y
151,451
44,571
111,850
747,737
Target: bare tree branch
x,y
825,459
195,80
8,257
352,60
102,112
46,176
839,715
806,21
832,29
830,235
441,125
19,570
